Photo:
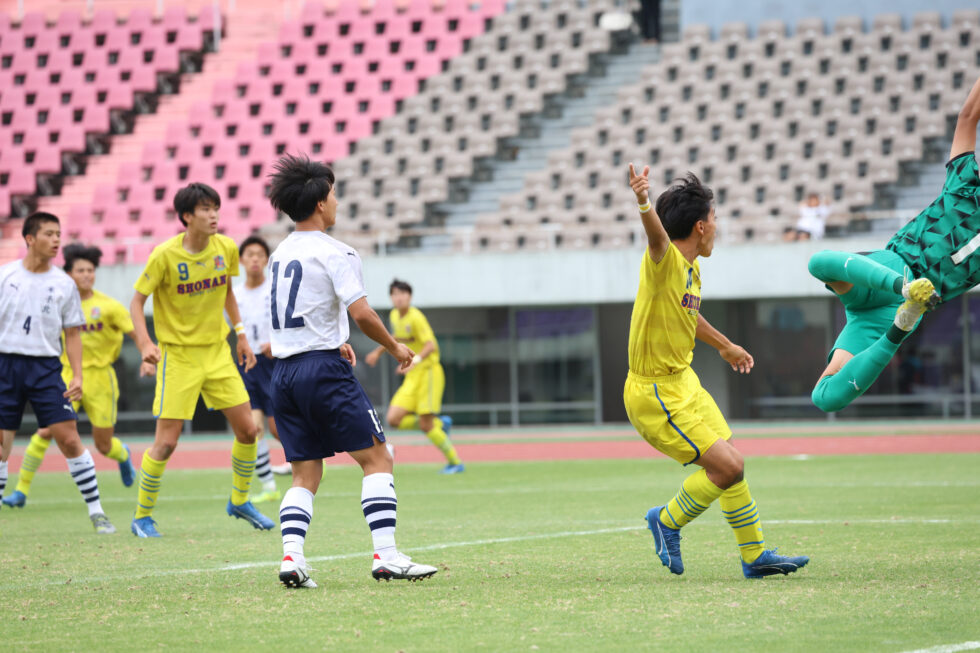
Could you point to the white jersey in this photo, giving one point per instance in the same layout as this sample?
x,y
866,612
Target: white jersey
x,y
315,278
34,308
253,304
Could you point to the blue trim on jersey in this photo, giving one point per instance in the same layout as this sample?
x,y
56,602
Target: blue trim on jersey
x,y
163,384
697,452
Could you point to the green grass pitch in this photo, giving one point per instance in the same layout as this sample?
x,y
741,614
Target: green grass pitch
x,y
532,556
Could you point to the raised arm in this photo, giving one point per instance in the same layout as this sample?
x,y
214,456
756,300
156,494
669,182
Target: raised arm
x,y
965,136
657,239
737,357
149,351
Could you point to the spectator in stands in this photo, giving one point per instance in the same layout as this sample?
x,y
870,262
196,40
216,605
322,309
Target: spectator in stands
x,y
813,220
648,18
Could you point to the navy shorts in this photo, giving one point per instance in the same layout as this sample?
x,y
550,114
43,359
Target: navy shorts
x,y
320,407
36,379
258,383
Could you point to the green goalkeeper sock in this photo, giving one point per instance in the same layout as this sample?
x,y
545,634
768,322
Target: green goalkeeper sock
x,y
829,266
836,391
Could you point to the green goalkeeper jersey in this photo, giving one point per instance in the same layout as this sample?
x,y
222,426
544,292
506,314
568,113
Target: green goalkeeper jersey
x,y
941,243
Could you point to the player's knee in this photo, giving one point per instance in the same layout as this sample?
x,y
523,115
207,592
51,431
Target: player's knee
x,y
103,447
822,397
817,265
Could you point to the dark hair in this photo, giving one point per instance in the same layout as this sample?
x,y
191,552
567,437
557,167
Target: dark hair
x,y
682,205
33,222
254,240
78,251
188,197
397,284
298,185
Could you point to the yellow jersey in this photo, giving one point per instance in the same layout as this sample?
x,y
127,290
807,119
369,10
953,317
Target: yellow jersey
x,y
189,290
106,321
665,315
413,329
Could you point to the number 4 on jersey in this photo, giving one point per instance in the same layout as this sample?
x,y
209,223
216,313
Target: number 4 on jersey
x,y
294,269
27,325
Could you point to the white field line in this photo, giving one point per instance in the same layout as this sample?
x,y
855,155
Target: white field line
x,y
517,489
948,648
270,564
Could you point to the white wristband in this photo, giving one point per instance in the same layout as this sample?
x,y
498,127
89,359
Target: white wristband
x,y
645,207
416,359
239,328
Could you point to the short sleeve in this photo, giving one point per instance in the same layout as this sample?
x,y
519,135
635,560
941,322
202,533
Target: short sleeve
x,y
423,332
961,175
71,312
121,318
152,276
659,271
391,318
231,257
345,282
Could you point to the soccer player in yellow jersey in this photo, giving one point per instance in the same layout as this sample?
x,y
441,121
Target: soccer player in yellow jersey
x,y
421,393
106,321
664,399
189,277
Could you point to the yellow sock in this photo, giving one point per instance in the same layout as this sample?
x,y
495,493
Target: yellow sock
x,y
151,475
117,451
408,423
32,460
439,438
743,516
242,467
694,497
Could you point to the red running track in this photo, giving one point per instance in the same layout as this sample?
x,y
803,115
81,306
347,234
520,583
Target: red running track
x,y
215,454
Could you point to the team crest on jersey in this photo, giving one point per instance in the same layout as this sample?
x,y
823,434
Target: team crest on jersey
x,y
96,313
219,262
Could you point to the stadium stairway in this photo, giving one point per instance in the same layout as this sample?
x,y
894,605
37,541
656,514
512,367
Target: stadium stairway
x,y
541,133
245,30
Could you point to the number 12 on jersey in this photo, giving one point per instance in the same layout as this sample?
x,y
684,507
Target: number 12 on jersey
x,y
294,270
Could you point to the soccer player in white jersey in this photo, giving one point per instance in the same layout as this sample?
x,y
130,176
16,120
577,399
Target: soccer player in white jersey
x,y
253,304
37,302
320,407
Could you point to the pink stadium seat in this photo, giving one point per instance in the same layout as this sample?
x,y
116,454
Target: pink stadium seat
x,y
21,181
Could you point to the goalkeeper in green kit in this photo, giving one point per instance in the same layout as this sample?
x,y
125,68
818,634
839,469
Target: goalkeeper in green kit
x,y
932,259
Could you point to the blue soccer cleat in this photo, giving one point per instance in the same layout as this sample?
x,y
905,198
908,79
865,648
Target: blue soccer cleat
x,y
248,512
666,540
144,527
126,468
770,564
453,469
447,423
15,500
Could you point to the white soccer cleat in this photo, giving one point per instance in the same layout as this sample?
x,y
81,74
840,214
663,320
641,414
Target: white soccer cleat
x,y
292,574
282,470
400,566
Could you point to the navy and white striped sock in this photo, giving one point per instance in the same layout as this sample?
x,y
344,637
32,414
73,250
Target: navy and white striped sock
x,y
380,504
3,477
295,513
82,471
262,467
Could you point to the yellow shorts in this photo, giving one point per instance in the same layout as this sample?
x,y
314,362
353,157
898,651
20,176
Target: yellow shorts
x,y
421,391
675,414
185,372
100,393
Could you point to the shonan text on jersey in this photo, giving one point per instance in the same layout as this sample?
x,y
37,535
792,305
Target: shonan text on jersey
x,y
253,304
313,284
35,308
665,315
189,290
106,321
